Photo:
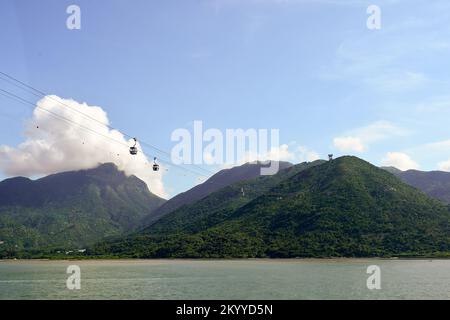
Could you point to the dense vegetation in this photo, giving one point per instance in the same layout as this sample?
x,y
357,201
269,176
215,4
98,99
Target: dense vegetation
x,y
435,184
70,210
220,180
346,207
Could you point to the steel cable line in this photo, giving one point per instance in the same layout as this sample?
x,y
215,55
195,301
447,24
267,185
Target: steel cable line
x,y
112,154
32,106
12,96
199,176
43,94
90,130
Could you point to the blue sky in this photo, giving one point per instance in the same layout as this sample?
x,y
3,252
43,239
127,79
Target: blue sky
x,y
310,68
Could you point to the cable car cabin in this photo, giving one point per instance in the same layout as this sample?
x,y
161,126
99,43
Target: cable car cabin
x,y
133,150
155,165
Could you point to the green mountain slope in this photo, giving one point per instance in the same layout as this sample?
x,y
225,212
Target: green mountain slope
x,y
346,207
435,184
220,205
71,209
221,179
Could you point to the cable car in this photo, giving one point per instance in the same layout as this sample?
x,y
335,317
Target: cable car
x,y
155,165
133,149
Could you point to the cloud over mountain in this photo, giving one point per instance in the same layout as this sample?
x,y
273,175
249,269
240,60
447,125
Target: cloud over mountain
x,y
63,135
360,139
400,161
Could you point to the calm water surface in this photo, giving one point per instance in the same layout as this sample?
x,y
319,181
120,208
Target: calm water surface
x,y
230,279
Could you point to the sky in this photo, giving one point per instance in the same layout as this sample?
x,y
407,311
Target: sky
x,y
311,69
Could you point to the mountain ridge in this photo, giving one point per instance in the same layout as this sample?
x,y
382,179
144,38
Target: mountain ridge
x,y
343,208
219,180
434,183
73,208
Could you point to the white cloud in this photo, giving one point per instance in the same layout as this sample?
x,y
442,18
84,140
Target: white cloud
x,y
438,146
378,131
438,149
444,165
54,145
358,140
376,60
349,144
397,81
307,154
280,153
400,161
433,152
283,153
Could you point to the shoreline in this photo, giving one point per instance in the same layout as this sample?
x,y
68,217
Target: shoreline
x,y
141,260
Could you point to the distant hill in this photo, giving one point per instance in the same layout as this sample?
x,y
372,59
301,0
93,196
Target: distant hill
x,y
219,205
72,209
436,184
392,170
346,207
216,182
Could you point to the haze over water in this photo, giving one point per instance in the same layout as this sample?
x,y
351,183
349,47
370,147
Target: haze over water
x,y
226,279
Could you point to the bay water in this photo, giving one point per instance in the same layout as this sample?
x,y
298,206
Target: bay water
x,y
226,279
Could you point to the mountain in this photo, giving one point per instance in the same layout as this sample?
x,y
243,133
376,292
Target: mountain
x,y
345,207
436,184
72,209
392,170
218,181
219,205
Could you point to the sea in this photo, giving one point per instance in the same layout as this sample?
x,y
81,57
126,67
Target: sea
x,y
225,279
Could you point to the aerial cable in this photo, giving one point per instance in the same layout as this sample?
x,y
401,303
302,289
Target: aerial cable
x,y
43,94
155,166
23,101
26,102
